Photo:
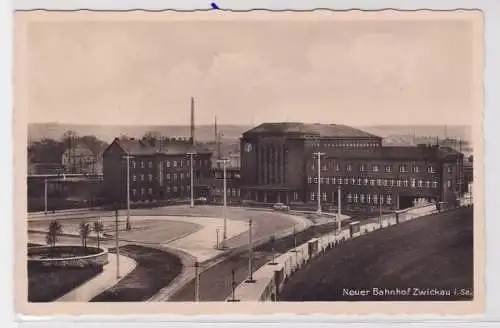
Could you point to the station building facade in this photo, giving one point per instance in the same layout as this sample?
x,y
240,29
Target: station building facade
x,y
279,164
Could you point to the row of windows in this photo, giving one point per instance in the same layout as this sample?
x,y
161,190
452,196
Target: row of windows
x,y
170,176
350,145
413,183
169,163
359,198
403,168
149,191
235,192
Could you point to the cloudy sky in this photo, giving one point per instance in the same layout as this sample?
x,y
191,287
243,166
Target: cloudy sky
x,y
247,72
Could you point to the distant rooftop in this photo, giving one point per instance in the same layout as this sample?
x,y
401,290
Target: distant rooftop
x,y
307,129
144,147
400,152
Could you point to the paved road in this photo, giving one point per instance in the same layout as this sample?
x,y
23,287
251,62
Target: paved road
x,y
432,252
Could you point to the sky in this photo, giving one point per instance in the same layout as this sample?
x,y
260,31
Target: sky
x,y
354,72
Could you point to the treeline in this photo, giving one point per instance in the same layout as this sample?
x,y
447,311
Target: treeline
x,y
49,150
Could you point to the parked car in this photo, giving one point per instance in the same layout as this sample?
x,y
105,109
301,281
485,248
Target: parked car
x,y
201,200
281,207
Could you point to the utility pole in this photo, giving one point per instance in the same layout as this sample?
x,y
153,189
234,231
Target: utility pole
x,y
117,250
217,232
224,232
233,284
191,154
339,213
128,225
197,282
250,253
45,195
318,155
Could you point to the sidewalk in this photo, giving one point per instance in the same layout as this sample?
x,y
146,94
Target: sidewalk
x,y
106,279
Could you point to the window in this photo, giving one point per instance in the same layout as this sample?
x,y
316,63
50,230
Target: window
x,y
175,176
142,177
175,188
142,164
150,164
349,198
420,183
385,183
323,168
413,183
168,176
234,192
295,196
416,169
327,180
434,184
403,168
368,199
309,180
362,198
353,181
362,168
359,181
346,181
312,196
388,168
375,167
187,175
182,175
182,163
388,200
334,180
427,184
337,168
134,164
324,196
365,181
349,167
182,187
175,163
379,182
375,199
398,183
142,191
339,181
239,193
448,184
168,163
150,191
134,178
316,180
405,183
168,188
150,177
450,169
134,192
431,169
355,198
391,182
372,182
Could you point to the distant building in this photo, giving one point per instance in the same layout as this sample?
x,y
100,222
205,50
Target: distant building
x,y
159,171
278,164
81,160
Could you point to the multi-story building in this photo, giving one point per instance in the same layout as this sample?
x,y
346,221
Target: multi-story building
x,y
158,171
81,160
279,164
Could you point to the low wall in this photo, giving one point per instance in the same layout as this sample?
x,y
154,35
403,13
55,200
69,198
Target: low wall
x,y
271,277
97,257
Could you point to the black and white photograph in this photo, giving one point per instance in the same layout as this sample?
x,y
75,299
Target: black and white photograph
x,y
278,158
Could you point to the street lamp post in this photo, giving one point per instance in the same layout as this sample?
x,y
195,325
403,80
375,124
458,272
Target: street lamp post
x,y
318,155
224,231
117,251
128,225
250,253
339,213
191,154
45,195
197,282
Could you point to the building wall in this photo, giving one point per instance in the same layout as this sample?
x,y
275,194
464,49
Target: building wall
x,y
114,174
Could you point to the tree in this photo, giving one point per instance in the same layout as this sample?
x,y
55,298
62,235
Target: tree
x,y
98,228
84,233
55,229
151,137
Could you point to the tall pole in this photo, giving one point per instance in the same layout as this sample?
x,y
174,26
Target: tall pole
x,y
217,232
197,282
233,284
224,232
117,250
45,195
339,213
128,193
319,154
192,178
250,253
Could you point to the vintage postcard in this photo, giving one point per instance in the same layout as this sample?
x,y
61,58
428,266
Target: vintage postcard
x,y
249,162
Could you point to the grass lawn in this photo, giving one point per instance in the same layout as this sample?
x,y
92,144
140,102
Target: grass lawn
x,y
48,284
430,253
155,269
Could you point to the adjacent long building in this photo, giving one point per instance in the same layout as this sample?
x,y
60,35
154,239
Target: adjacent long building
x,y
279,164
